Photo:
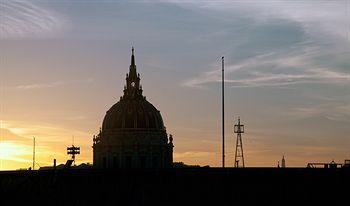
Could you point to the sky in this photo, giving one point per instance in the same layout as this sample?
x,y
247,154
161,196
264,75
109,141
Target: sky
x,y
287,73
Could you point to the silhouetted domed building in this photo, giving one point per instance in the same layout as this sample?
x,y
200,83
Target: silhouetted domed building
x,y
133,134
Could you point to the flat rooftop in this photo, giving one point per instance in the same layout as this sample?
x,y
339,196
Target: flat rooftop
x,y
178,186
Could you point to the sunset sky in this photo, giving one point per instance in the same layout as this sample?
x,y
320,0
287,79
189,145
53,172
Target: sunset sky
x,y
63,65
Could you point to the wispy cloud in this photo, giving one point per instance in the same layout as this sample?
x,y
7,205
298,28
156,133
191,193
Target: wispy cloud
x,y
273,70
51,84
297,36
49,133
193,154
40,86
318,18
28,19
336,111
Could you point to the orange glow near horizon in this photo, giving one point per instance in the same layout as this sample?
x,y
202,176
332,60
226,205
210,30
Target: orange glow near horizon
x,y
16,148
16,145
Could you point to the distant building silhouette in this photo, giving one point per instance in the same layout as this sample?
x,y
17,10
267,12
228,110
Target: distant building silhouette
x,y
133,134
283,162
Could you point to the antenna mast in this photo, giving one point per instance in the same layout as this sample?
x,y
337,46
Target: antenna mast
x,y
33,153
73,150
223,112
239,158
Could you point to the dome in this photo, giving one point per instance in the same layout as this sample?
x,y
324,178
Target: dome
x,y
133,133
135,113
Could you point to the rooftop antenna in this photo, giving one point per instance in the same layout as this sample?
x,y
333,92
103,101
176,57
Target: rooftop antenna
x,y
223,111
239,158
73,150
33,153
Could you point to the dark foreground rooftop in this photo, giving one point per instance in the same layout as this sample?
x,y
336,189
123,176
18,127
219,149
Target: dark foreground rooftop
x,y
180,186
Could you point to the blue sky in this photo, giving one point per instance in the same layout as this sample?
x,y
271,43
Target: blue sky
x,y
63,64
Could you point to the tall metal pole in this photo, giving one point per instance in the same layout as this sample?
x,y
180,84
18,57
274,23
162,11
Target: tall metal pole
x,y
34,153
223,112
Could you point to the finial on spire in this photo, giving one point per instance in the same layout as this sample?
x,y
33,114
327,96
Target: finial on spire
x,y
132,56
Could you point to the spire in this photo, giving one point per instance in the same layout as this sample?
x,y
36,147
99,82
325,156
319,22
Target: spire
x,y
133,87
132,57
132,70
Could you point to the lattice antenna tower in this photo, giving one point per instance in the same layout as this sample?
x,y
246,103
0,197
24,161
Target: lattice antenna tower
x,y
239,157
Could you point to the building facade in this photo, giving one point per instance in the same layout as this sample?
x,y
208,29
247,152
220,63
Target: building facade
x,y
133,134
